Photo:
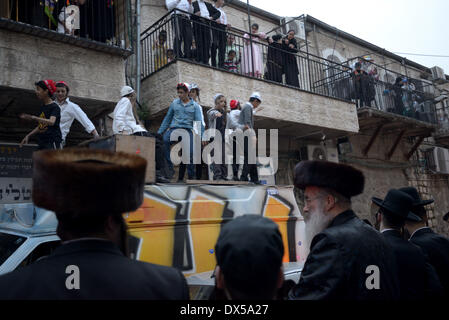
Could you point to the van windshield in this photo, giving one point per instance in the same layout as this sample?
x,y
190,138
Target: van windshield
x,y
8,245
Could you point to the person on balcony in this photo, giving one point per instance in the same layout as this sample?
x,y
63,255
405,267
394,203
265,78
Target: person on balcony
x,y
69,17
231,63
291,70
361,83
125,123
203,12
71,111
47,130
160,50
181,115
252,61
230,45
275,59
407,92
397,90
218,49
182,26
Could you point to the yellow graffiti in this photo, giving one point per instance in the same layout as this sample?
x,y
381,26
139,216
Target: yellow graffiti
x,y
205,235
183,233
157,241
279,213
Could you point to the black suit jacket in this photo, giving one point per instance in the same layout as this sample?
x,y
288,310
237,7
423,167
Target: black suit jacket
x,y
104,273
336,268
214,13
417,278
436,247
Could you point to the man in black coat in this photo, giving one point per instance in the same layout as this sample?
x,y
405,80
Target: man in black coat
x,y
203,13
290,48
348,259
89,190
434,245
275,59
417,278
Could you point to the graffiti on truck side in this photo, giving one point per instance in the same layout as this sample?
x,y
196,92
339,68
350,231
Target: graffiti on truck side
x,y
178,225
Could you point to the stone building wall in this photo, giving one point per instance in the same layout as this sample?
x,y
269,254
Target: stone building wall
x,y
91,74
280,103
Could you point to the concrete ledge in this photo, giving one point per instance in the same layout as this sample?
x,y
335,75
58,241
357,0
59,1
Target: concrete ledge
x,y
280,103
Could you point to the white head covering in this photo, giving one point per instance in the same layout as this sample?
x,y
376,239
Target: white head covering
x,y
217,95
126,90
257,96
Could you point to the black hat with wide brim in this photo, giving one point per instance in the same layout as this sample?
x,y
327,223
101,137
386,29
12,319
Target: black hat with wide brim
x,y
417,201
398,203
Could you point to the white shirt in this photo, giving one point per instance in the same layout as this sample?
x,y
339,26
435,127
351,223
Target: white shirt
x,y
234,119
223,19
124,121
69,112
203,9
72,21
183,5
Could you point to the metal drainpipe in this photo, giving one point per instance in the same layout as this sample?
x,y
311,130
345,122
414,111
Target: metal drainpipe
x,y
138,51
250,38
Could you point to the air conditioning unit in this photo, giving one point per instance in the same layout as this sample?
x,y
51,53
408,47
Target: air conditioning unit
x,y
438,73
290,23
440,160
318,152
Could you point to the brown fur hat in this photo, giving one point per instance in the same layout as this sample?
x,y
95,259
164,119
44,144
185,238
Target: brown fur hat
x,y
79,182
342,178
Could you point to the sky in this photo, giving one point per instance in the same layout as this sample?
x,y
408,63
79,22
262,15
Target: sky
x,y
412,26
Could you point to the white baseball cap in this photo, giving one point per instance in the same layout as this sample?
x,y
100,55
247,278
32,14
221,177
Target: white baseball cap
x,y
194,86
126,90
257,96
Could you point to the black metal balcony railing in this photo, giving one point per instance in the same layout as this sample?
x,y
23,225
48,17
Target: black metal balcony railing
x,y
183,37
413,98
176,36
104,21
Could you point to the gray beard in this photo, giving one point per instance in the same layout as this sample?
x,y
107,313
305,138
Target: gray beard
x,y
317,222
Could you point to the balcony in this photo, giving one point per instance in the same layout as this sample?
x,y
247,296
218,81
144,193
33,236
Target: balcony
x,y
309,101
90,59
390,112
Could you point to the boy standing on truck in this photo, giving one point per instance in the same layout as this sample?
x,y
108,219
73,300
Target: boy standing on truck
x,y
71,111
47,130
217,121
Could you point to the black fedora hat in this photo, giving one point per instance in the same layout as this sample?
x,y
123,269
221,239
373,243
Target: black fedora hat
x,y
398,203
412,192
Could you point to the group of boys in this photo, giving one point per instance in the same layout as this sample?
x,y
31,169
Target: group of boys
x,y
55,116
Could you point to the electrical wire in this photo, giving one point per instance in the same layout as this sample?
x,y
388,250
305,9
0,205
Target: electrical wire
x,y
423,55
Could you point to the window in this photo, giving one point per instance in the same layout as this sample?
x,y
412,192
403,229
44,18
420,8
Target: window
x,y
41,251
9,243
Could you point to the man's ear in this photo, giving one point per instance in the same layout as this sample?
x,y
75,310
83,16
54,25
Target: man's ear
x,y
330,202
220,278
